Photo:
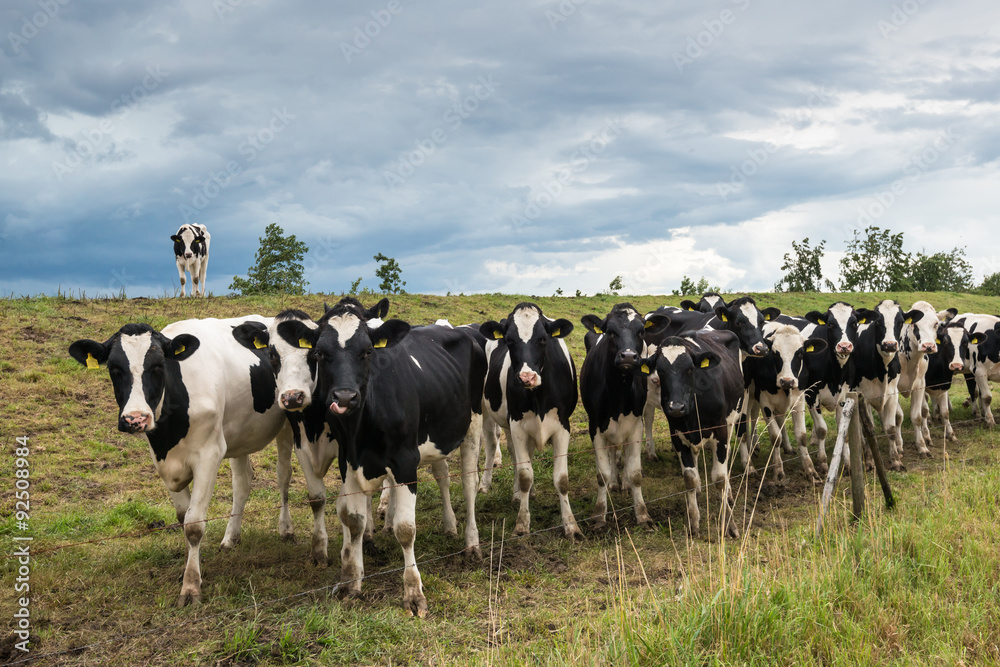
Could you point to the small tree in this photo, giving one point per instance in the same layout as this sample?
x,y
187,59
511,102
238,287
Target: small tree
x,y
616,285
691,288
875,263
278,266
389,273
941,272
990,285
803,272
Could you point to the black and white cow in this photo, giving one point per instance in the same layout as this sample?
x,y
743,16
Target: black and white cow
x,y
952,351
983,364
919,341
701,392
198,396
397,398
708,303
191,254
742,317
777,383
531,392
614,396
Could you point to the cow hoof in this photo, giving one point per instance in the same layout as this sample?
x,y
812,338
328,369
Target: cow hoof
x,y
416,607
813,478
228,545
822,468
733,533
349,591
320,560
646,524
521,530
473,554
651,456
484,489
185,599
287,536
573,534
927,454
598,523
898,467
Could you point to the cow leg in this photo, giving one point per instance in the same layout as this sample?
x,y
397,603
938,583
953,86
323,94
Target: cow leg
x,y
689,468
648,416
720,477
180,271
889,425
920,425
284,468
560,478
632,475
181,501
203,483
241,491
985,398
387,506
353,515
440,471
775,430
818,438
524,477
492,453
470,483
748,439
405,529
202,271
605,475
317,501
942,408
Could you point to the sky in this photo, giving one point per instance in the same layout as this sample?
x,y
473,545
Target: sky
x,y
519,147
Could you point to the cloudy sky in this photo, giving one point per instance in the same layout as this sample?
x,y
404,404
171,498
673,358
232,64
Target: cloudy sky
x,y
520,146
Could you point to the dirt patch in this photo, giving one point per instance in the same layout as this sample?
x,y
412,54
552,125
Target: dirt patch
x,y
35,335
9,652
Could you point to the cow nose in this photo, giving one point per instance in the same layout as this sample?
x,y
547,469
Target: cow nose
x,y
929,348
344,400
529,378
188,255
956,366
675,409
292,400
627,359
759,349
787,383
889,346
845,348
134,422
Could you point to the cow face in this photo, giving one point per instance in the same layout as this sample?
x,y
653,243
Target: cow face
x,y
138,359
744,319
623,330
527,333
884,325
685,376
342,347
189,241
952,346
709,302
789,348
841,324
920,327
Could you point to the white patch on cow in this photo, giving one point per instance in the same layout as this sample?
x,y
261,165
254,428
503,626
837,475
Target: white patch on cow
x,y
135,349
713,301
786,341
673,352
955,334
889,308
443,323
749,311
926,327
346,326
429,452
536,381
525,320
416,362
294,374
632,315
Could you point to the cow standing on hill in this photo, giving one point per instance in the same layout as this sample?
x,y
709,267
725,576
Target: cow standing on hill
x,y
919,342
191,254
952,351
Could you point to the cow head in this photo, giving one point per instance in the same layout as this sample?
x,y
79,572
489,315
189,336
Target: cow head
x,y
527,332
708,303
920,328
952,345
841,324
341,349
685,375
189,241
788,349
623,329
744,319
884,325
137,358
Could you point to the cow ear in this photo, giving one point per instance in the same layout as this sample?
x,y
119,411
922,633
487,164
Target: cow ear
x,y
863,315
977,338
297,334
770,314
379,310
723,313
645,366
688,304
560,328
656,324
492,330
593,323
706,359
89,353
913,316
252,335
175,238
816,317
389,333
815,346
181,347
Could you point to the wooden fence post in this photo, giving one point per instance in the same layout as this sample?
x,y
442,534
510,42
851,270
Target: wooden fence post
x,y
869,431
838,450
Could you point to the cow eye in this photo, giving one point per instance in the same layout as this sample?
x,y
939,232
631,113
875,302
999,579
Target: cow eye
x,y
365,353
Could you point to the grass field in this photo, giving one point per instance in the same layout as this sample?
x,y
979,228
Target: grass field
x,y
916,585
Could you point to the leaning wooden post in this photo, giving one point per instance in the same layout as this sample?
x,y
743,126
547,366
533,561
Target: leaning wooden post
x,y
857,459
838,451
869,430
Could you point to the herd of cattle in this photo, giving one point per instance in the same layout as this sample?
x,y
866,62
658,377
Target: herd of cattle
x,y
384,398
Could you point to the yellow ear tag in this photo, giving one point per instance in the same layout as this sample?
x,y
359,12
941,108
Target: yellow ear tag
x,y
648,324
381,343
497,335
862,321
92,362
689,308
908,320
257,344
810,348
723,318
555,333
705,363
598,329
937,341
179,350
644,368
820,320
303,343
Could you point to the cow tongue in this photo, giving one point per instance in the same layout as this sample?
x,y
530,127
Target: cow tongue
x,y
335,407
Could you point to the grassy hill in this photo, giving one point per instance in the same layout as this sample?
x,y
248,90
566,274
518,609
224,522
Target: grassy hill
x,y
919,584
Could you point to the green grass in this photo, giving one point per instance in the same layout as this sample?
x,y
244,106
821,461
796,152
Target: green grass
x,y
917,585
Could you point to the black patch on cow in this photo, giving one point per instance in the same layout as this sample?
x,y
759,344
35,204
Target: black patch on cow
x,y
262,386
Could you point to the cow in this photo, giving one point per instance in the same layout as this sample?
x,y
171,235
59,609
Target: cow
x,y
701,392
777,383
708,303
952,351
531,392
983,363
198,396
614,396
397,398
919,341
742,317
191,254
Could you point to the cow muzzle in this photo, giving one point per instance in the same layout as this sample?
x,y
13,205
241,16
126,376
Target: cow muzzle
x,y
889,346
626,360
787,383
344,401
759,350
956,366
188,255
845,349
928,348
529,379
135,422
293,400
675,409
